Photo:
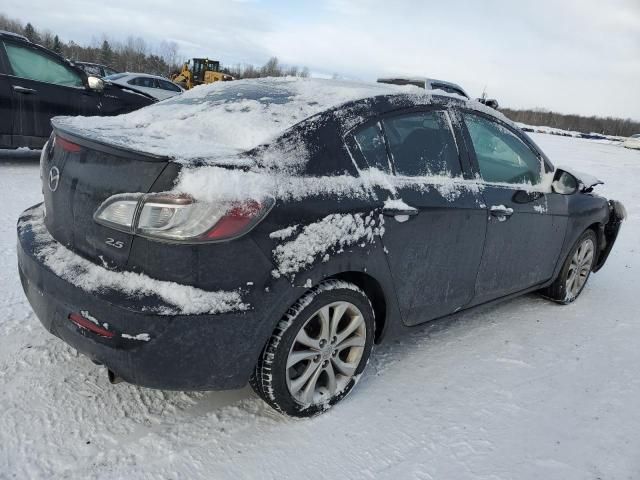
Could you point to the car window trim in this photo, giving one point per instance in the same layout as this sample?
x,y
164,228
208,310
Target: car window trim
x,y
4,60
46,53
418,109
547,167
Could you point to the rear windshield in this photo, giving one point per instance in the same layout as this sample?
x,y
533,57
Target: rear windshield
x,y
222,118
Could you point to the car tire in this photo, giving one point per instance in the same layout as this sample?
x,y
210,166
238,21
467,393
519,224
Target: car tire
x,y
575,271
318,350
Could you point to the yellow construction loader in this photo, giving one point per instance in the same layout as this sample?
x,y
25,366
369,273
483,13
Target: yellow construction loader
x,y
198,71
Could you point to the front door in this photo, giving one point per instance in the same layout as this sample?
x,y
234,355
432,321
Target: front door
x,y
435,224
42,87
526,222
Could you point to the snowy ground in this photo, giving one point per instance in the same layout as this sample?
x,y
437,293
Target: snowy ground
x,y
523,390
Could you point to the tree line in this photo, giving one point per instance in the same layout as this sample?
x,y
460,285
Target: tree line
x,y
622,127
135,55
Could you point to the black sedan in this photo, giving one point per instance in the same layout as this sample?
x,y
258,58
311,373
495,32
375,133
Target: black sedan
x,y
37,84
272,231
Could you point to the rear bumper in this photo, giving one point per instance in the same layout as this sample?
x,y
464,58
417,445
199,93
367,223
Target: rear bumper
x,y
181,352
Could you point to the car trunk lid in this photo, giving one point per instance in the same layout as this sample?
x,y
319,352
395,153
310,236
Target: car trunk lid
x,y
78,175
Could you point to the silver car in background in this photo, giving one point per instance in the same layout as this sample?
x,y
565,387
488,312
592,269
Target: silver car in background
x,y
154,85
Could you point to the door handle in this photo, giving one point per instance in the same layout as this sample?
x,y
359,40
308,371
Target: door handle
x,y
19,89
501,212
392,212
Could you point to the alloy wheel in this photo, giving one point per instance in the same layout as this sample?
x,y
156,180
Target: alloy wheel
x,y
580,268
326,353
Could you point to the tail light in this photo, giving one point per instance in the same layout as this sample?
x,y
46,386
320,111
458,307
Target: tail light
x,y
181,218
66,145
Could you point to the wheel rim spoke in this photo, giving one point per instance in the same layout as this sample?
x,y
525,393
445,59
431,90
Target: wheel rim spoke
x,y
355,341
299,382
353,325
299,356
310,388
344,367
338,313
304,338
325,322
332,385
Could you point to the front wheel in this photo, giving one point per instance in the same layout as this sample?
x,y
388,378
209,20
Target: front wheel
x,y
575,271
318,350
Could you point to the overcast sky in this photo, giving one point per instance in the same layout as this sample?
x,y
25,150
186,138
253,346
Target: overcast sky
x,y
572,56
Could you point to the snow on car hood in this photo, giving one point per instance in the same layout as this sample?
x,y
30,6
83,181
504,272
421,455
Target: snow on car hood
x,y
223,119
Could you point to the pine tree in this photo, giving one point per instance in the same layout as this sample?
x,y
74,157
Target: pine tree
x,y
57,46
105,56
31,33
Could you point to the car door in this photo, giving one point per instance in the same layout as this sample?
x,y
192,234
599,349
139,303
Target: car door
x,y
526,221
435,223
146,85
42,86
6,109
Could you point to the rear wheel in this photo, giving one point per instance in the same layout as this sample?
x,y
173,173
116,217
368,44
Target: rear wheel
x,y
318,350
575,271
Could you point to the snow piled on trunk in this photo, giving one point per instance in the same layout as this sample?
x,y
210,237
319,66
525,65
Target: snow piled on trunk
x,y
93,278
223,118
330,235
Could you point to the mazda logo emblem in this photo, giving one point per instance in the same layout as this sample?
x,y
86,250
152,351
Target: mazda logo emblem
x,y
54,178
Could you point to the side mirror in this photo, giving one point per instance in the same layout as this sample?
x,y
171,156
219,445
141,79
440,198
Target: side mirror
x,y
564,183
96,84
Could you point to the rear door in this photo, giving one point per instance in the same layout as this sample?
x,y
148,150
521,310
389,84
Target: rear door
x,y
526,222
435,223
42,87
147,85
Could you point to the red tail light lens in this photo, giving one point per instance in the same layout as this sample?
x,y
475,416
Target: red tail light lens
x,y
238,219
87,324
67,146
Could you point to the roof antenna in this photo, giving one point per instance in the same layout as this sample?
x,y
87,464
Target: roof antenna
x,y
484,93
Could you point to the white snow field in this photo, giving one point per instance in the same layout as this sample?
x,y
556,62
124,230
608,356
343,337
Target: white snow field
x,y
523,390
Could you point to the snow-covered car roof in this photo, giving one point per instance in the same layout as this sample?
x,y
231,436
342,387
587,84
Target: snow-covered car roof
x,y
226,118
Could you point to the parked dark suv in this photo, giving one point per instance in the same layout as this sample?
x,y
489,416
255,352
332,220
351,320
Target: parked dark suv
x,y
37,84
272,230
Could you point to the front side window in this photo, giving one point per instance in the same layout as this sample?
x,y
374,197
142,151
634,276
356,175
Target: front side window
x,y
33,65
422,143
502,156
370,142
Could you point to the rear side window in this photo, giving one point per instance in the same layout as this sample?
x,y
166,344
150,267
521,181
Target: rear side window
x,y
422,143
166,85
501,155
33,65
147,82
370,142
